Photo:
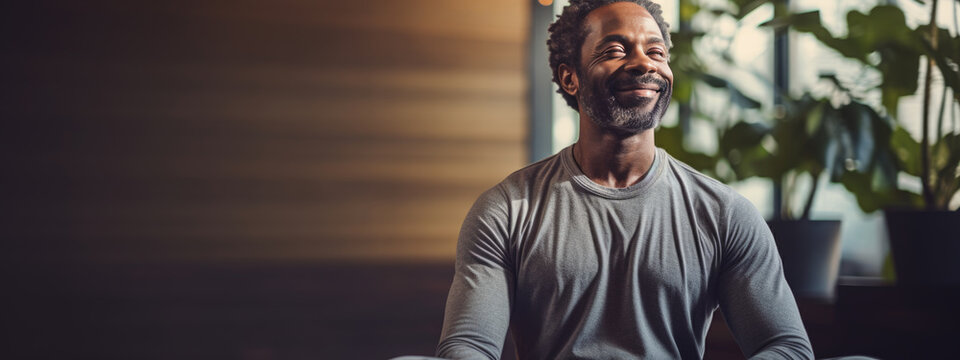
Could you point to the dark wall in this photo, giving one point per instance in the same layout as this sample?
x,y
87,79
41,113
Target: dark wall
x,y
295,171
290,130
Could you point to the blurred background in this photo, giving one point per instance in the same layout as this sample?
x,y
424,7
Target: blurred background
x,y
286,179
248,179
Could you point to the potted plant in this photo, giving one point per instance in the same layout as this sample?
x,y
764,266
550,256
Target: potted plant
x,y
811,138
816,138
921,224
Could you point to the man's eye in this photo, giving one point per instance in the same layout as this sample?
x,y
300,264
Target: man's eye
x,y
656,53
614,51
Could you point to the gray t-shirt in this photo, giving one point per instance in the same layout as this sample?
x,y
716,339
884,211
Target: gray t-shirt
x,y
578,270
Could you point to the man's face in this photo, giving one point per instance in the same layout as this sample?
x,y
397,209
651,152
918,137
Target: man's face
x,y
625,80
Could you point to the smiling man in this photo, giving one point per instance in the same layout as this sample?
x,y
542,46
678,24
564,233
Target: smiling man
x,y
612,249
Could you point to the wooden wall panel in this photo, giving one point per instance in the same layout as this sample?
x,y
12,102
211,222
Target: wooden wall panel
x,y
257,131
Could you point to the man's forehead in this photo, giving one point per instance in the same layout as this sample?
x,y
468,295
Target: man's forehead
x,y
617,17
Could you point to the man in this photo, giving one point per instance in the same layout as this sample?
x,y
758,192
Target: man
x,y
612,249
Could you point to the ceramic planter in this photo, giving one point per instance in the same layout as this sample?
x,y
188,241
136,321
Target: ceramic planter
x,y
925,247
810,250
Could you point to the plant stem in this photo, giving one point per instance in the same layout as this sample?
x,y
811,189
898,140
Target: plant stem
x,y
787,187
815,177
925,136
781,91
943,108
953,117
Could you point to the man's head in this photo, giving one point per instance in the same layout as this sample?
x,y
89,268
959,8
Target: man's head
x,y
610,59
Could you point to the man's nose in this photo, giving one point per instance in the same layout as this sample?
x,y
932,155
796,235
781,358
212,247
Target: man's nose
x,y
639,62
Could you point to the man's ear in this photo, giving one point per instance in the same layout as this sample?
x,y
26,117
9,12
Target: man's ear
x,y
568,79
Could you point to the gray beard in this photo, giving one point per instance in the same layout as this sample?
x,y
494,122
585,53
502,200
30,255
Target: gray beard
x,y
608,113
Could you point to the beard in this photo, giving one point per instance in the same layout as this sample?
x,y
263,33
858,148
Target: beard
x,y
607,111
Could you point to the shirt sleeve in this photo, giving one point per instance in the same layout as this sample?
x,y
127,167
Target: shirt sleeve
x,y
753,294
477,313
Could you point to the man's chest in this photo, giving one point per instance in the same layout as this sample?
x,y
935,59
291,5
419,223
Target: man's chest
x,y
613,247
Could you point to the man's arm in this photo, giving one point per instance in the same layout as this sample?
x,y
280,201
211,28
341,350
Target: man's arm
x,y
478,307
753,294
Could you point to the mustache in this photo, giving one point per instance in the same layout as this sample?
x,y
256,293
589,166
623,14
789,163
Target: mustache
x,y
636,81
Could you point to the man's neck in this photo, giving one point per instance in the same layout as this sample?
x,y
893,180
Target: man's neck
x,y
614,159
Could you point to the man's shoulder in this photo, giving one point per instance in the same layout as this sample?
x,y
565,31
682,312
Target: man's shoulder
x,y
697,181
732,212
523,182
533,175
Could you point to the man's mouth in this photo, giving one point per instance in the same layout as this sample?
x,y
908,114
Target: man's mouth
x,y
646,89
641,92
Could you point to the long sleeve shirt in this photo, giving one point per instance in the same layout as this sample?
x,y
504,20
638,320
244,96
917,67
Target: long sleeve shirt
x,y
578,270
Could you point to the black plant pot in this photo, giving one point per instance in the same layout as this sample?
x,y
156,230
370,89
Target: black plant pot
x,y
810,250
925,247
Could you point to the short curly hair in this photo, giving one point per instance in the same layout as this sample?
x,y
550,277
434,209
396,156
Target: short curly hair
x,y
567,35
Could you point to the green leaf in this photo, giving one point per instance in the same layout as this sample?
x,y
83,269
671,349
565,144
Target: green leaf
x,y
835,81
743,135
671,140
946,56
714,81
687,10
736,96
865,128
682,88
884,24
859,185
741,146
907,151
805,20
745,7
741,99
946,160
871,199
900,68
885,172
884,31
814,119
